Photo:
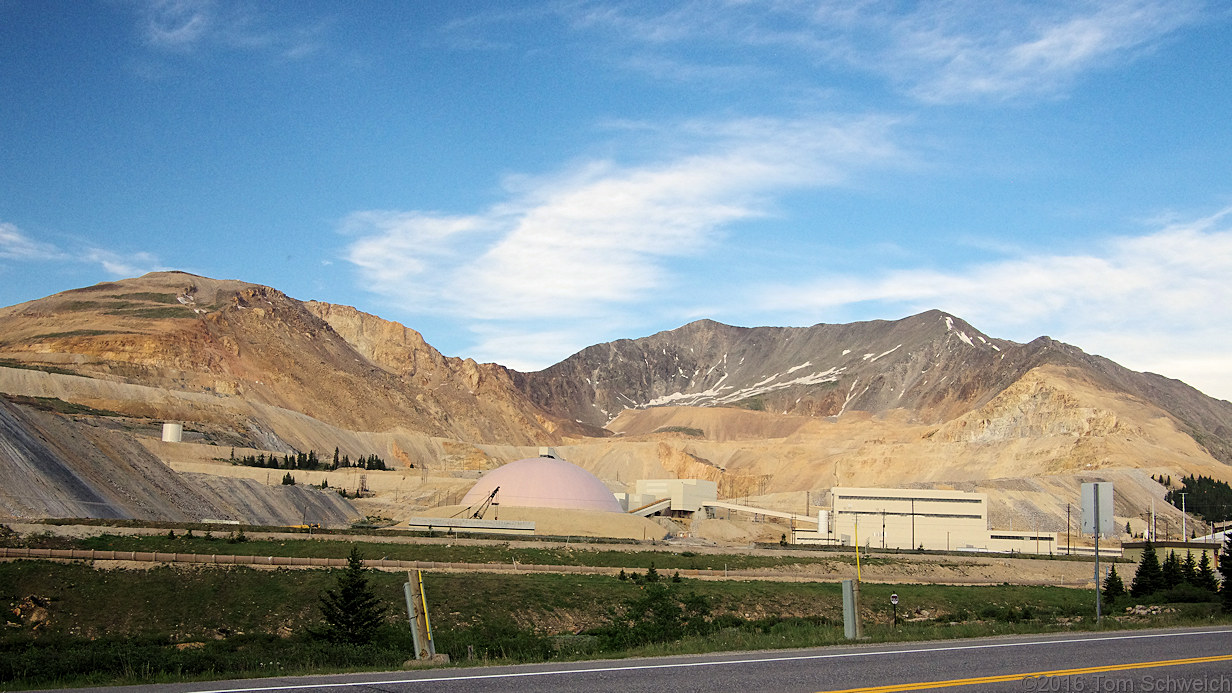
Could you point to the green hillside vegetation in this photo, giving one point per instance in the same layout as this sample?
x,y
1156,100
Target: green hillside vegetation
x,y
683,430
71,624
217,542
1205,497
309,461
74,625
58,405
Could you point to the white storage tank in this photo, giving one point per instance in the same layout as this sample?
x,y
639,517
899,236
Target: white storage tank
x,y
173,432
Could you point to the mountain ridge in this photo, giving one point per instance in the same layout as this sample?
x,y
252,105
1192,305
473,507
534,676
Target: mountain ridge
x,y
771,411
933,364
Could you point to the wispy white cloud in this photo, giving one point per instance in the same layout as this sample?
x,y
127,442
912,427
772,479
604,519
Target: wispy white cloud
x,y
178,23
597,235
15,245
123,265
937,52
1159,302
526,349
192,25
1038,49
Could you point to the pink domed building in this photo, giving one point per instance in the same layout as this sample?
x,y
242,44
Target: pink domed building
x,y
543,482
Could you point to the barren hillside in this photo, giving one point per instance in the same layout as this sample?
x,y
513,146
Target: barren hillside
x,y
190,334
932,366
55,466
774,415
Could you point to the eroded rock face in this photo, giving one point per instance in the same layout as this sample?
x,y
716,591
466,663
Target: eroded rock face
x,y
760,411
343,367
54,466
933,366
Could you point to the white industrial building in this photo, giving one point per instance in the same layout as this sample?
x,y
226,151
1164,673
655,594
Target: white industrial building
x,y
875,518
672,496
897,518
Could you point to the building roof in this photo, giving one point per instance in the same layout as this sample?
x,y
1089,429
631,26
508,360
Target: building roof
x,y
543,482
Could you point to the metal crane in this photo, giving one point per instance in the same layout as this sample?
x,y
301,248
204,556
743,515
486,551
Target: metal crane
x,y
483,507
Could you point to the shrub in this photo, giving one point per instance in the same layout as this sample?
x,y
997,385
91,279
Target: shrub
x,y
351,612
1149,576
656,614
1113,586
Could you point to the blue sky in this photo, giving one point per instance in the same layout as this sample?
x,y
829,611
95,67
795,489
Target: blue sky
x,y
520,180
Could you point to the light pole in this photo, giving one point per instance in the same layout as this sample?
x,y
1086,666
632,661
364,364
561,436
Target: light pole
x,y
1184,534
1067,547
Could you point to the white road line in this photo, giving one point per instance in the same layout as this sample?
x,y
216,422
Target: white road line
x,y
721,662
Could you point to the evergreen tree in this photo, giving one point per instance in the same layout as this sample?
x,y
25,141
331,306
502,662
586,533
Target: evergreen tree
x,y
1225,571
1171,571
1189,569
1149,576
1204,496
351,611
1113,587
1205,577
288,480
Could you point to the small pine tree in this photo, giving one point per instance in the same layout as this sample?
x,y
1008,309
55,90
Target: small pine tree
x,y
652,575
1149,577
1113,586
1189,569
1205,577
288,480
1171,571
351,611
1225,571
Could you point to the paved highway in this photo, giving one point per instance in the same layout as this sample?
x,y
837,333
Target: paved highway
x,y
1151,661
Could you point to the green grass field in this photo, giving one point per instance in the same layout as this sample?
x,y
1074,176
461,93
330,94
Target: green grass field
x,y
222,542
70,624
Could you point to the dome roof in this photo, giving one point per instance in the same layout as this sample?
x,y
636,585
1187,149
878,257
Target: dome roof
x,y
544,482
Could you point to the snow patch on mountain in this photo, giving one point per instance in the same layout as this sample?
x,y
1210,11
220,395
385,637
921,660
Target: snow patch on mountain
x,y
885,353
719,394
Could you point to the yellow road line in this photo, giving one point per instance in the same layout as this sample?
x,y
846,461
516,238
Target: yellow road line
x,y
953,683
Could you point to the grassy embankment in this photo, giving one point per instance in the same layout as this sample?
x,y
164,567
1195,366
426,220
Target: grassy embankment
x,y
80,626
222,542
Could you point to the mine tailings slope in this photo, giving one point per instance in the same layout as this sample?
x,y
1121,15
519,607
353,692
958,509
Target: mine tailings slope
x,y
56,466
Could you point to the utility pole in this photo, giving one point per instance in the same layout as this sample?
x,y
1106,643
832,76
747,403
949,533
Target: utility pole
x,y
856,531
1098,615
913,544
883,529
1067,548
1184,534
